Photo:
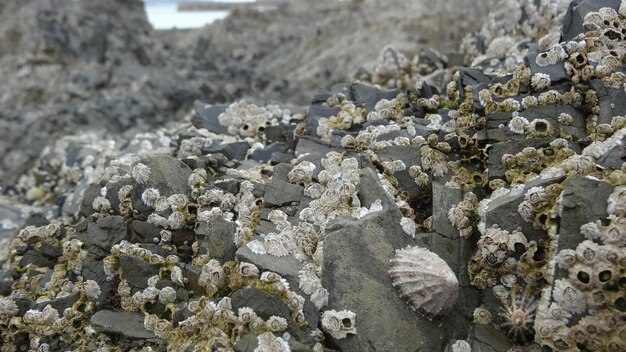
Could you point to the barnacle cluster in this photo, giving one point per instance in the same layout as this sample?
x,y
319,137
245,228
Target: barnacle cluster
x,y
587,303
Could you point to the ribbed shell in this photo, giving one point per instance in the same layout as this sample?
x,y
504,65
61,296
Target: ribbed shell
x,y
425,281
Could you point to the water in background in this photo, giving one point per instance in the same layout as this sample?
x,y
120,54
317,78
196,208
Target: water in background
x,y
162,14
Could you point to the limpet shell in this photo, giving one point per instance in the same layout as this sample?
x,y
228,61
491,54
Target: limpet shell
x,y
425,281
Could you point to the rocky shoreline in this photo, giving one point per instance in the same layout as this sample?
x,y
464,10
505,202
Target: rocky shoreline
x,y
425,207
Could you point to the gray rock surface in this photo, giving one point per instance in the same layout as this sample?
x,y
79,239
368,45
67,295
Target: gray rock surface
x,y
128,324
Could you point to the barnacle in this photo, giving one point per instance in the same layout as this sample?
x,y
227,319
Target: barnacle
x,y
149,196
338,324
268,342
141,173
518,124
482,316
461,346
540,81
91,290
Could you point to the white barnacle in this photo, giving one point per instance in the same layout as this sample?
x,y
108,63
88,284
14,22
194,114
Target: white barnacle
x,y
176,220
177,201
540,81
8,309
461,346
167,295
177,276
530,102
339,324
124,192
149,196
141,173
408,226
91,290
565,119
101,204
517,124
157,220
267,342
276,324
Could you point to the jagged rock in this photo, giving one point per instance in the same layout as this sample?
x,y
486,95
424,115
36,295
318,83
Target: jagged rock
x,y
143,231
216,238
98,237
279,193
127,324
503,211
35,258
410,155
496,151
232,151
615,157
583,200
368,95
356,260
287,266
60,304
575,15
487,338
207,117
167,174
266,154
444,198
136,271
265,305
612,102
556,71
92,269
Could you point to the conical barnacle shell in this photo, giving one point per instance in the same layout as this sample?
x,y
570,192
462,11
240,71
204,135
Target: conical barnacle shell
x,y
425,281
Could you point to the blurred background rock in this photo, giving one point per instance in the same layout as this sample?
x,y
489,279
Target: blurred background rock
x,y
67,66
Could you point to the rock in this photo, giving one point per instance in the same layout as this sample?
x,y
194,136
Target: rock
x,y
315,113
497,150
502,211
265,305
612,102
556,71
216,238
356,260
287,266
233,151
370,190
444,198
280,193
368,95
91,192
207,117
143,231
487,338
264,155
127,324
615,157
575,15
37,259
471,77
60,304
583,200
410,155
98,237
92,269
136,271
167,174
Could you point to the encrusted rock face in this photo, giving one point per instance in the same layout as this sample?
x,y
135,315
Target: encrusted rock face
x,y
425,281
